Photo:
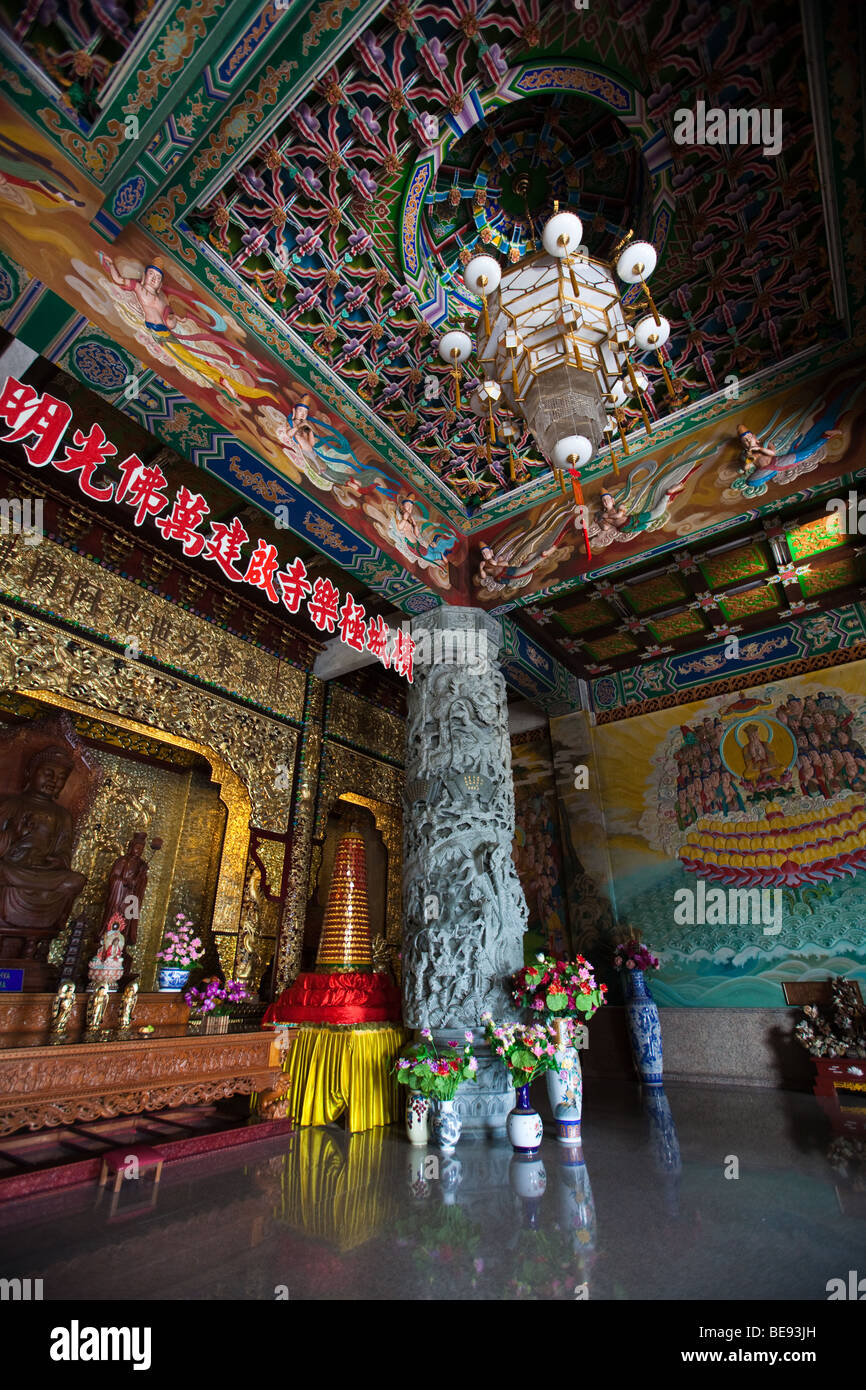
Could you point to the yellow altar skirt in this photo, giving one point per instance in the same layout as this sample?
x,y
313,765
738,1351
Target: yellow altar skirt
x,y
335,1069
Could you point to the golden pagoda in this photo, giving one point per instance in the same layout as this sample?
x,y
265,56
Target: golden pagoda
x,y
346,943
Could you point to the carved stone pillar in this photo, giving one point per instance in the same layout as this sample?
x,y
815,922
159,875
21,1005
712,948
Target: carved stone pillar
x,y
294,913
464,909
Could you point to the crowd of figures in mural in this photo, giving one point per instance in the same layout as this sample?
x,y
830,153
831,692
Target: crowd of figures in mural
x,y
799,746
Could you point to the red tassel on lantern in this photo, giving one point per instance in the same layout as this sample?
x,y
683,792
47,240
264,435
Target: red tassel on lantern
x,y
578,498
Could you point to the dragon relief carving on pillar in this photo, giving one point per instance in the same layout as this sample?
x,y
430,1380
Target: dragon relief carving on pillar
x,y
465,913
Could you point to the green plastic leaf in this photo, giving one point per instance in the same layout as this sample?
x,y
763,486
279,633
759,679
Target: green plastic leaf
x,y
556,1002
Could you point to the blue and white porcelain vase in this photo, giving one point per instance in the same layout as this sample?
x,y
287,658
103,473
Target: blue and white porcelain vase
x,y
171,977
565,1087
417,1117
446,1126
644,1028
523,1126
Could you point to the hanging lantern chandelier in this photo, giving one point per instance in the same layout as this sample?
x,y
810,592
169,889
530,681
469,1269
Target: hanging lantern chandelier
x,y
555,343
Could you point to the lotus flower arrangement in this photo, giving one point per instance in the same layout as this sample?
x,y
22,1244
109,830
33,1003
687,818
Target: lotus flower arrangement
x,y
181,947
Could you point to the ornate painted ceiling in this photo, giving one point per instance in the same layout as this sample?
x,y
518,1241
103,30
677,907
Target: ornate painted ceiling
x,y
310,178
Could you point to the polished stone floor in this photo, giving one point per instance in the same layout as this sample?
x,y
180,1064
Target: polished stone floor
x,y
646,1211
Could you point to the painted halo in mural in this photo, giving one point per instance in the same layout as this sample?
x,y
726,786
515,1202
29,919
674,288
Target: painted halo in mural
x,y
758,748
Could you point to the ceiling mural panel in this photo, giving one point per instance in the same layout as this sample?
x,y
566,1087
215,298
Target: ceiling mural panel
x,y
819,640
354,216
716,476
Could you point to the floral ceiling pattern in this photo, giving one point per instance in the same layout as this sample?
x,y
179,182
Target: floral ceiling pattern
x,y
314,220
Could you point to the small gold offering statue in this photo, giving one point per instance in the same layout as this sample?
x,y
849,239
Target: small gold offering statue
x,y
96,1006
128,1001
61,1007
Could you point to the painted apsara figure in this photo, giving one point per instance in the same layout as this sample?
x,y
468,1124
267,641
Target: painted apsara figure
x,y
200,356
323,455
761,463
794,444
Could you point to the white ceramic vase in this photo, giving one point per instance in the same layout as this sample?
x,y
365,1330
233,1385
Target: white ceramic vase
x,y
417,1118
523,1126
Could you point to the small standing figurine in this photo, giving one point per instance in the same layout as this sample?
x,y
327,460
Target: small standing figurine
x,y
106,967
61,1008
128,1001
127,885
247,956
96,1006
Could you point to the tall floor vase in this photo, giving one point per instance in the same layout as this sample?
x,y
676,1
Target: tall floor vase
x,y
565,1087
644,1028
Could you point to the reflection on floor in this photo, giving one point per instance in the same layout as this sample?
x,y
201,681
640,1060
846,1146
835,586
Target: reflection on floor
x,y
701,1193
49,1159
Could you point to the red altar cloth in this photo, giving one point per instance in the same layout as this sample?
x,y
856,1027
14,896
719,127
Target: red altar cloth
x,y
358,997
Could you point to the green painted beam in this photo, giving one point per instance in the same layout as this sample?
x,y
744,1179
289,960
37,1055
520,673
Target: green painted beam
x,y
228,27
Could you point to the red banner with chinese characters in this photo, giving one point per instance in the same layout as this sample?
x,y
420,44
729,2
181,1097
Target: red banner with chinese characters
x,y
44,420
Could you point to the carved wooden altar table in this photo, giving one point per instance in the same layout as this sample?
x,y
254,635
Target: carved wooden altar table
x,y
57,1084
